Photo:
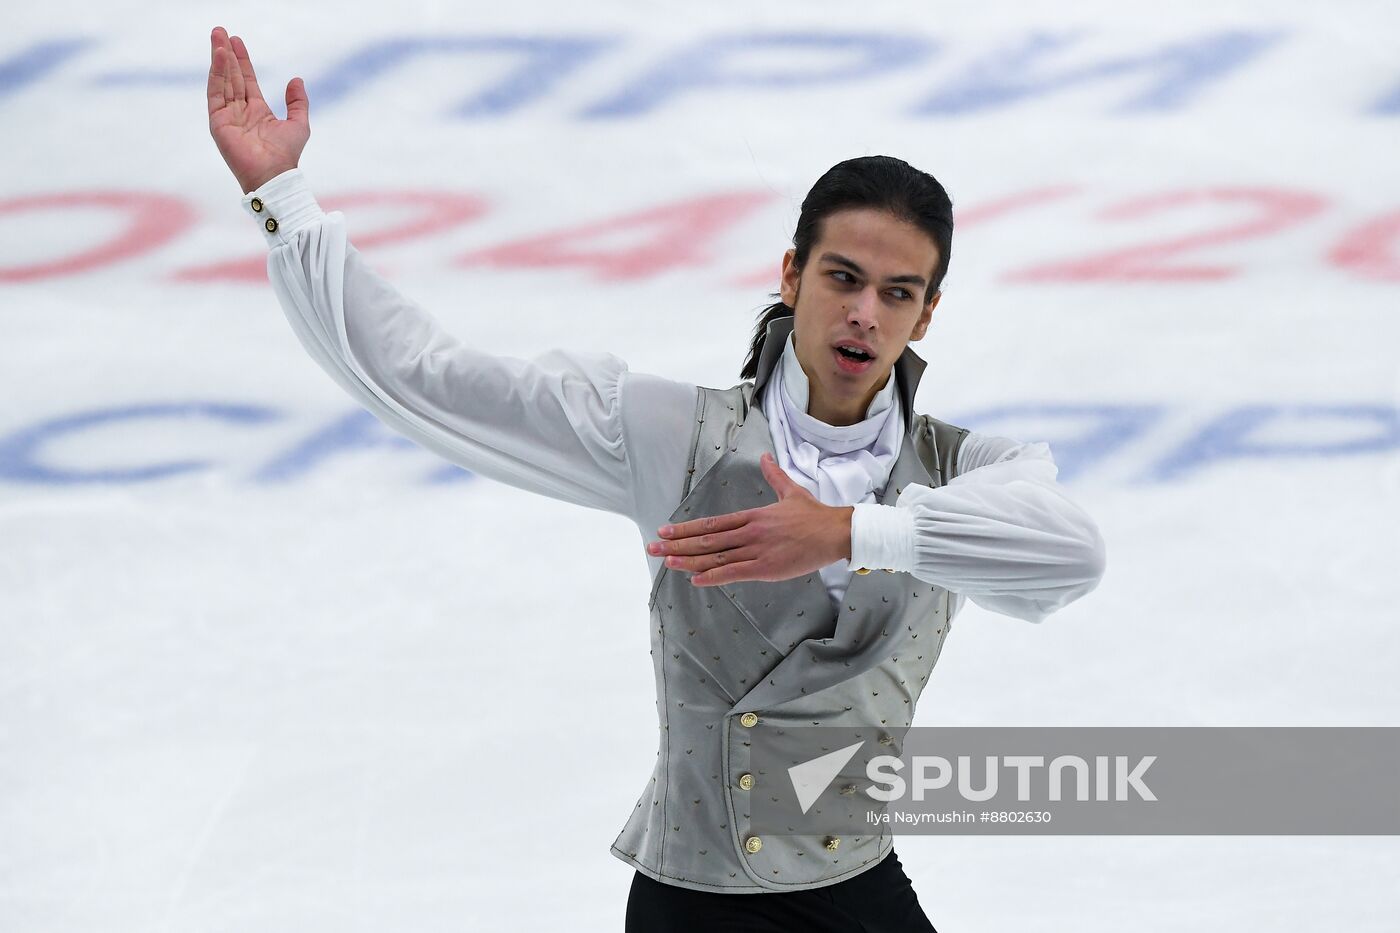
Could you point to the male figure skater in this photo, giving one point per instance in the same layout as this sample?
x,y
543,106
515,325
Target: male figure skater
x,y
763,507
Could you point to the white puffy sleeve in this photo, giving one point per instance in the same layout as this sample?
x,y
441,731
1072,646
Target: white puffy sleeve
x,y
550,425
1002,532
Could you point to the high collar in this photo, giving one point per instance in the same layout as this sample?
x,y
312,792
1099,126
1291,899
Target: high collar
x,y
909,368
797,392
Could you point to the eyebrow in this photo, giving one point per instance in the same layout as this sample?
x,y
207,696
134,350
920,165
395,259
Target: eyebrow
x,y
899,279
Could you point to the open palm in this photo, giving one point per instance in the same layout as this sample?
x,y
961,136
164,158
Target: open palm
x,y
256,145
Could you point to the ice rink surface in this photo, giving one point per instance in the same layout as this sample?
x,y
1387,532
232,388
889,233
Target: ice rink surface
x,y
260,664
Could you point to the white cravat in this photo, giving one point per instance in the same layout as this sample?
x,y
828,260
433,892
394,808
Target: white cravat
x,y
839,464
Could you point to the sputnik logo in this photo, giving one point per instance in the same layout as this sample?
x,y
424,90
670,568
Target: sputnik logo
x,y
810,778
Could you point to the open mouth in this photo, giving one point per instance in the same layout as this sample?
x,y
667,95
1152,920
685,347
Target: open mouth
x,y
851,359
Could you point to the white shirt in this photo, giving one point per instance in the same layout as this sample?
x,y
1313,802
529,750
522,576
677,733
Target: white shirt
x,y
582,427
839,464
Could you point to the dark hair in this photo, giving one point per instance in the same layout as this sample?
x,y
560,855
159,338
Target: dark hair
x,y
882,182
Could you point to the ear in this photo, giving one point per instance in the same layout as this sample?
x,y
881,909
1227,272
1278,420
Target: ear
x,y
921,325
787,287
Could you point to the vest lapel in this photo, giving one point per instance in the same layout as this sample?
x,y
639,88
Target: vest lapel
x,y
860,636
784,611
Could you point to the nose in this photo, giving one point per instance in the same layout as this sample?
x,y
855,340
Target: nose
x,y
861,311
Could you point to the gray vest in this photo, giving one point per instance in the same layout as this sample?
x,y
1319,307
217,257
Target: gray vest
x,y
736,659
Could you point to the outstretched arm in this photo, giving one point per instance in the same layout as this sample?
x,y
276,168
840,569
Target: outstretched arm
x,y
550,425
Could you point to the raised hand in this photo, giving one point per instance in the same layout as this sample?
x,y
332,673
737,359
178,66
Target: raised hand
x,y
256,145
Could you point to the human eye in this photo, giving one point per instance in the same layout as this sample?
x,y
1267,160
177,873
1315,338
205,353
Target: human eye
x,y
842,272
904,294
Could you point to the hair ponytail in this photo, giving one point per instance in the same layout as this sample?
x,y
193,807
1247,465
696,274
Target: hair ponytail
x,y
770,314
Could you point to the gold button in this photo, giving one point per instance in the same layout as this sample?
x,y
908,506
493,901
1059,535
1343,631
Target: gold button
x,y
753,843
832,842
256,204
271,225
887,739
862,570
746,781
887,569
748,720
848,790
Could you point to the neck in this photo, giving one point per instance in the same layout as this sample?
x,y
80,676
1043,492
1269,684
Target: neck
x,y
839,411
908,369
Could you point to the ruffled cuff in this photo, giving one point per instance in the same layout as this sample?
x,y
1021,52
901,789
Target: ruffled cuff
x,y
882,537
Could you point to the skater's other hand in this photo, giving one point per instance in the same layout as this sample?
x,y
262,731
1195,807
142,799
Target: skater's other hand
x,y
792,537
256,145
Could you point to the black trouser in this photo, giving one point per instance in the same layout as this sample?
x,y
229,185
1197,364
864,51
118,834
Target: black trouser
x,y
878,900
